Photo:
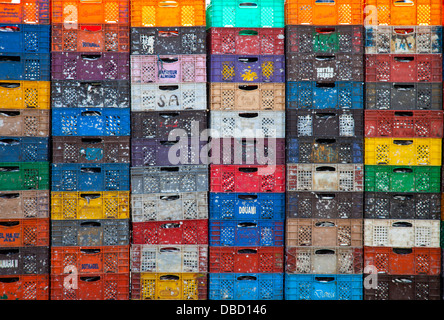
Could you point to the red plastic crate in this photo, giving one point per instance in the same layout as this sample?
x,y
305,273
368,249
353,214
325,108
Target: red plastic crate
x,y
246,259
405,261
403,68
404,123
29,287
171,232
247,178
24,232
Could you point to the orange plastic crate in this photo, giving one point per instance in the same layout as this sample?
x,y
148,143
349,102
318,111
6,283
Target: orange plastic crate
x,y
324,12
24,232
25,11
29,287
167,13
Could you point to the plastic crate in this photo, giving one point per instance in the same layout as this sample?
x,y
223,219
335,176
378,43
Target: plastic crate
x,y
25,94
325,150
168,40
404,261
404,13
246,286
247,97
91,149
25,287
323,260
90,177
168,68
246,260
248,124
401,233
87,260
391,205
171,232
246,69
325,177
319,95
169,206
328,39
90,66
24,204
192,178
24,149
403,39
24,123
161,13
96,286
90,205
324,12
324,205
24,232
248,41
168,286
246,233
25,38
418,179
25,12
25,66
90,122
240,151
323,286
90,232
246,206
90,38
403,96
24,175
24,261
405,287
169,258
324,233
77,12
403,68
247,178
326,123
403,124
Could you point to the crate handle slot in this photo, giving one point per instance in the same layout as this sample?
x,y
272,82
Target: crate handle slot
x,y
9,195
10,142
247,87
91,113
325,30
325,141
325,224
9,251
169,88
402,224
403,30
246,142
91,56
403,142
248,4
169,249
9,58
10,113
168,143
169,60
403,114
325,85
325,279
249,115
10,169
404,87
247,278
90,279
247,225
91,224
9,28
248,33
248,170
402,197
402,170
325,168
325,58
92,140
169,198
169,277
325,115
9,223
170,169
326,196
404,59
91,1
9,280
169,114
90,170
168,34
172,225
402,280
95,84
324,251
10,85
91,28
90,251
168,4
248,59
90,196
402,250
403,3
247,196
247,251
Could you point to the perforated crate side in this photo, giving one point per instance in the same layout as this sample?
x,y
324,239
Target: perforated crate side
x,y
26,12
25,66
24,204
25,94
24,149
25,287
24,123
32,232
24,38
24,260
24,176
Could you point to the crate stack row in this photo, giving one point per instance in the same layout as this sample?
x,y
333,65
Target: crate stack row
x,y
90,190
325,165
247,172
169,175
403,130
24,150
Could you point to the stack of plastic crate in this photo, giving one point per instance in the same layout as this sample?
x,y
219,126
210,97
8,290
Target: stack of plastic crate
x,y
247,171
90,226
403,141
24,150
324,122
169,178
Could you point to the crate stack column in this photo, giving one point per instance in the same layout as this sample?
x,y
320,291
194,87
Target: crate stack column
x,y
24,151
324,132
403,151
91,150
169,178
247,171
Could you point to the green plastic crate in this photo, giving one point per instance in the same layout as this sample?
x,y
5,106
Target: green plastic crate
x,y
24,175
246,14
402,178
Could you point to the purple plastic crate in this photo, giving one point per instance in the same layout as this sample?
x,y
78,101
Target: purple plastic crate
x,y
237,68
90,66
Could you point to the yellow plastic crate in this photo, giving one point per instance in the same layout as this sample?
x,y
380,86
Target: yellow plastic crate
x,y
90,205
403,151
25,94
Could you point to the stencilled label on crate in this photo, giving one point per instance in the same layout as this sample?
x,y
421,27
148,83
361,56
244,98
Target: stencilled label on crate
x,y
168,74
247,210
325,73
321,294
164,101
90,266
5,264
9,237
92,154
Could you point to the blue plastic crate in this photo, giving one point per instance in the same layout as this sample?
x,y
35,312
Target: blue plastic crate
x,y
90,177
25,38
334,95
25,66
323,287
24,149
246,233
246,286
91,122
227,206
